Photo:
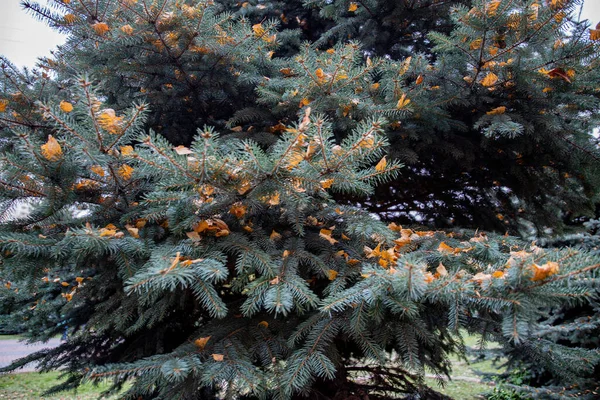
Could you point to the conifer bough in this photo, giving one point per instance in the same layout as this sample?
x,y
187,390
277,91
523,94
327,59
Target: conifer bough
x,y
206,241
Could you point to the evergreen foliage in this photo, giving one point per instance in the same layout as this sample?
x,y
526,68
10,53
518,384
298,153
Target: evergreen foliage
x,y
211,183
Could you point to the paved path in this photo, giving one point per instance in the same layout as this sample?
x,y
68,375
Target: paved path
x,y
12,349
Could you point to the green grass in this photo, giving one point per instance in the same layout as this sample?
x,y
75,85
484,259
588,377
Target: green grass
x,y
31,385
10,337
465,386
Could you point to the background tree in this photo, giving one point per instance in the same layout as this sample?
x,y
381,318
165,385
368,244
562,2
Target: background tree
x,y
232,260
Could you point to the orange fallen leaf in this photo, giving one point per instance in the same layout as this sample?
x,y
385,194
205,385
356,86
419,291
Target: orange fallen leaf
x,y
490,79
66,106
380,167
201,342
326,234
541,272
332,274
51,150
497,111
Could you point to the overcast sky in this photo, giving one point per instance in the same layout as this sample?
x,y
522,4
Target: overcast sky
x,y
23,38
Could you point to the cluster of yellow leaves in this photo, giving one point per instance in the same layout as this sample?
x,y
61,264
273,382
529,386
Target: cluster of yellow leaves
x,y
111,231
51,150
109,121
212,226
387,257
352,7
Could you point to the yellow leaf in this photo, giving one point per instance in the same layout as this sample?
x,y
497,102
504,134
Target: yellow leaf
x,y
352,7
497,111
274,235
274,281
98,170
3,104
492,7
194,236
475,44
66,106
444,248
326,234
69,18
419,80
429,277
594,34
125,172
326,184
264,324
541,272
133,231
100,28
238,210
65,284
273,200
490,79
127,29
304,102
320,74
109,121
258,30
126,150
222,232
201,342
52,150
380,167
402,102
217,357
498,274
332,274
79,279
395,227
104,232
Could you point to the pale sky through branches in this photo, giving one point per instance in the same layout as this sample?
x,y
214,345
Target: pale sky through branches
x,y
24,38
